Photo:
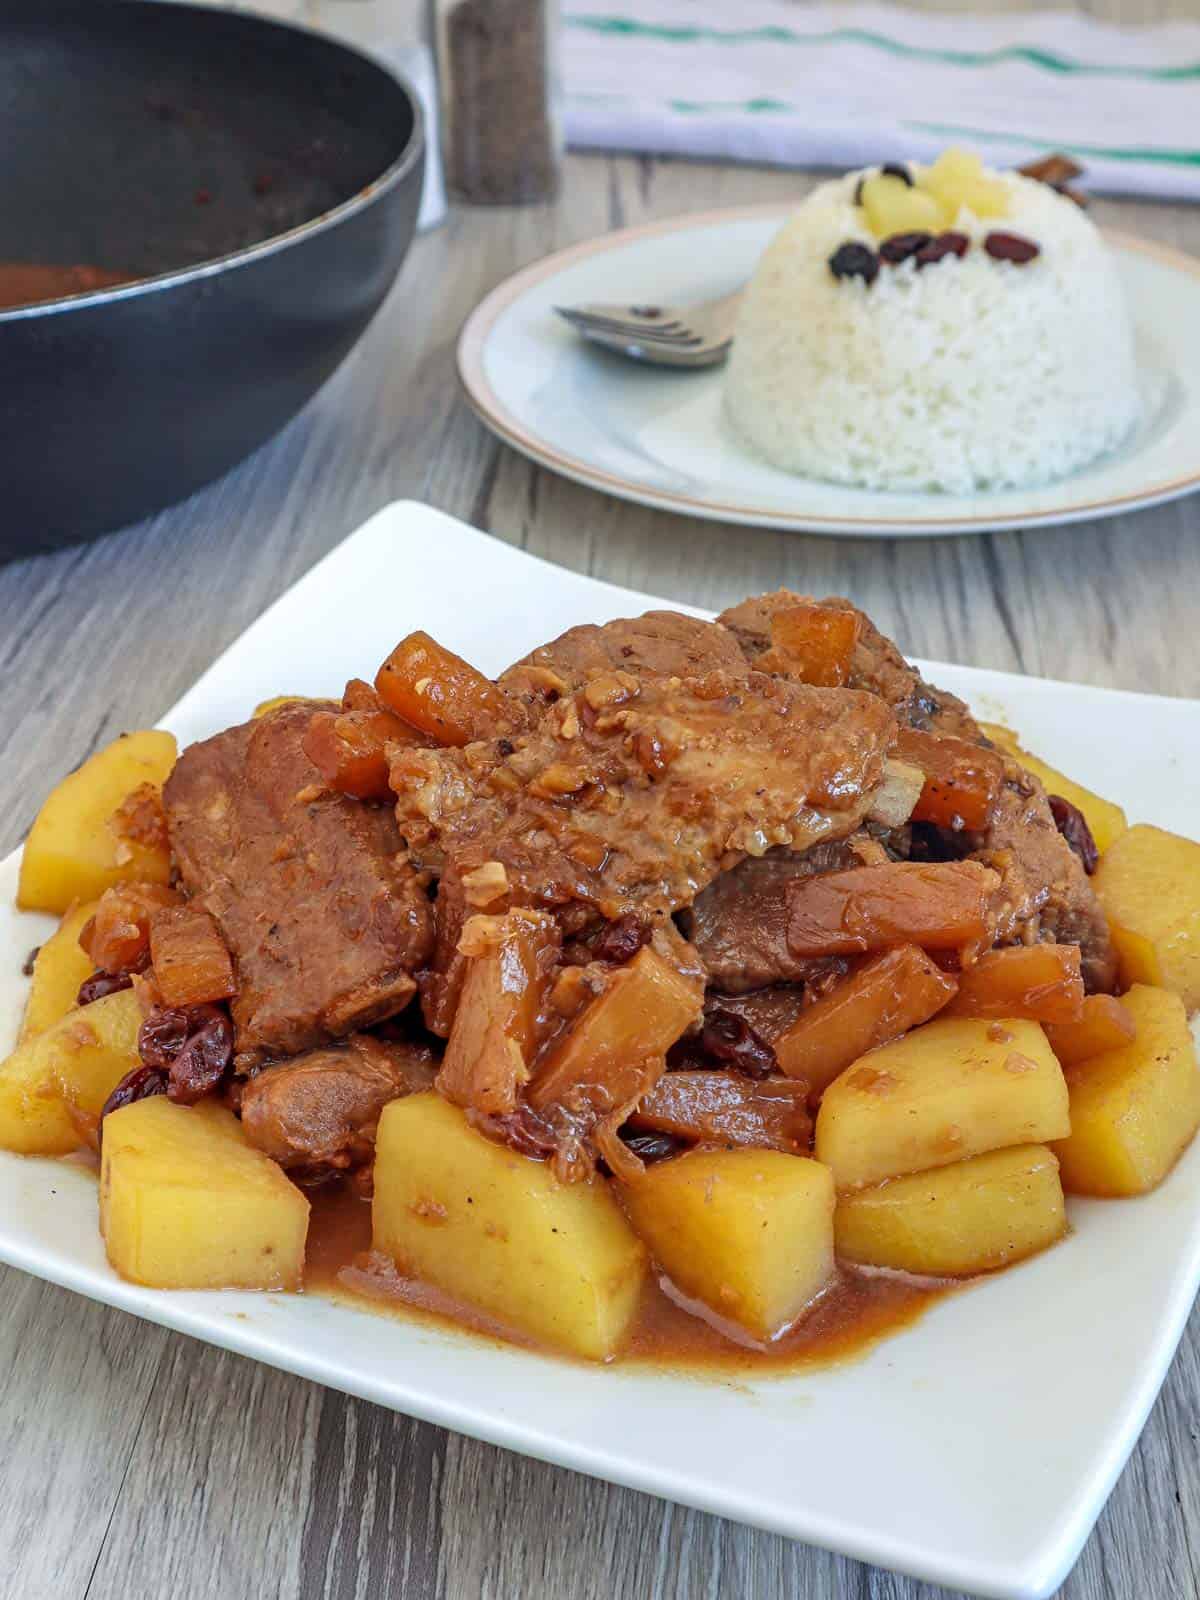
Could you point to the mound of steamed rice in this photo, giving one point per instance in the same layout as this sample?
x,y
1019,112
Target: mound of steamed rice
x,y
968,374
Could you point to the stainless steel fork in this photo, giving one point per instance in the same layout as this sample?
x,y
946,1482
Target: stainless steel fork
x,y
664,336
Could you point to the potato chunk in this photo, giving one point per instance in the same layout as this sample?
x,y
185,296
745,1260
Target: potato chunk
x,y
60,967
73,851
1134,1109
556,1262
1105,820
945,1092
954,1221
748,1232
80,1058
1148,882
187,1203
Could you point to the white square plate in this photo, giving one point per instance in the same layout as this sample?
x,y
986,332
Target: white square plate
x,y
974,1449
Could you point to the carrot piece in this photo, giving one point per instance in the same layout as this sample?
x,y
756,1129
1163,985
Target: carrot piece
x,y
1041,982
1104,1024
962,779
598,1064
349,749
814,643
888,995
496,1027
117,937
941,905
191,964
440,694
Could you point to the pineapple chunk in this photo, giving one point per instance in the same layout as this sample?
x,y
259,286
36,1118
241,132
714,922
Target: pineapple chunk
x,y
73,852
61,966
893,206
748,1232
1149,885
1105,820
79,1059
187,1203
950,1090
1105,1024
557,1262
955,1221
957,179
1134,1109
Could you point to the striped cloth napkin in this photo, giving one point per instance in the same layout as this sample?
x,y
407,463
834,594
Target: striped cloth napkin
x,y
815,85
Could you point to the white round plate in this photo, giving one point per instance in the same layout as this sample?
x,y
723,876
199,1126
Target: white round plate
x,y
660,438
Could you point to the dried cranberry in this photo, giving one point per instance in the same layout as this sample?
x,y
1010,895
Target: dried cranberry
x,y
192,1045
101,984
1010,247
621,940
651,1147
946,244
854,261
1072,824
731,1039
139,1084
899,247
203,1061
162,1036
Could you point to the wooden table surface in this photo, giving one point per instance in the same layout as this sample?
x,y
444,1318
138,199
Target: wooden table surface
x,y
138,1463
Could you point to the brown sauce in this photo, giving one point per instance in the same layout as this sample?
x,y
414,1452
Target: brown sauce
x,y
26,283
859,1311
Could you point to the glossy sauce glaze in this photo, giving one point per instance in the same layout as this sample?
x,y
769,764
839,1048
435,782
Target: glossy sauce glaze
x,y
853,1316
24,283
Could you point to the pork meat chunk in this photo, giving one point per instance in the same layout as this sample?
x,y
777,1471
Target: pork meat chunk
x,y
630,795
324,916
661,644
317,1113
739,923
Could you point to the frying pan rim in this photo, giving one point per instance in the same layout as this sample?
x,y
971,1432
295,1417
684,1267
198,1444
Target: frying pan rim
x,y
211,267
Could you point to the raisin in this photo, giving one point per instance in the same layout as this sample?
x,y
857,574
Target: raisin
x,y
899,247
946,244
1010,247
651,1147
139,1084
731,1039
101,984
854,261
621,940
1072,824
28,963
203,1062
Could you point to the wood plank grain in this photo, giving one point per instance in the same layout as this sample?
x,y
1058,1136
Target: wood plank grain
x,y
151,1465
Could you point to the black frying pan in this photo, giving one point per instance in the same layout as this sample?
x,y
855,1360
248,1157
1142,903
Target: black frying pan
x,y
263,179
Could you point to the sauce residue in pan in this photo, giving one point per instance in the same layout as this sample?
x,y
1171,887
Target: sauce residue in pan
x,y
859,1311
25,283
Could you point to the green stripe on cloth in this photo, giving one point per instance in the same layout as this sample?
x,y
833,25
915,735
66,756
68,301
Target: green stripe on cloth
x,y
1172,158
1046,60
